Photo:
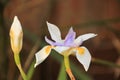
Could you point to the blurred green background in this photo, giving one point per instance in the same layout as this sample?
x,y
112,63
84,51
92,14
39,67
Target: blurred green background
x,y
97,16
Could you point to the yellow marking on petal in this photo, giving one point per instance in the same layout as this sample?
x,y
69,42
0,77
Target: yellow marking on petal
x,y
81,50
47,50
16,41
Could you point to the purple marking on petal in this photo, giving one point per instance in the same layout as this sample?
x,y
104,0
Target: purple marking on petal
x,y
49,41
53,43
58,44
69,39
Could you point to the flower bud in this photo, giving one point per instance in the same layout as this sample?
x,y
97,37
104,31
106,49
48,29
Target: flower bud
x,y
16,35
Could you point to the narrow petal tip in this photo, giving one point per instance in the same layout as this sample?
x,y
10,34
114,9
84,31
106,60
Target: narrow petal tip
x,y
35,65
71,29
95,35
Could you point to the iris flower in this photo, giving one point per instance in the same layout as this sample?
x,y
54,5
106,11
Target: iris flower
x,y
69,45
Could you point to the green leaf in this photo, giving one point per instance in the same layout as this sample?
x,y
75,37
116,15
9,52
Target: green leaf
x,y
62,72
31,70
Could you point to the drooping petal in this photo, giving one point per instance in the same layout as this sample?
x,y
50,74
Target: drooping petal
x,y
69,39
84,57
54,32
60,49
42,55
78,41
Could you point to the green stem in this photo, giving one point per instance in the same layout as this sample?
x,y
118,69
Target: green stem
x,y
67,66
66,61
18,63
77,71
31,70
62,73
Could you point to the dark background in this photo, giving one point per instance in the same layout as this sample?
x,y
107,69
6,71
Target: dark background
x,y
96,16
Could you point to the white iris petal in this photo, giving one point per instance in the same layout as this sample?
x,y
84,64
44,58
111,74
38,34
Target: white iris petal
x,y
54,32
84,37
84,58
42,55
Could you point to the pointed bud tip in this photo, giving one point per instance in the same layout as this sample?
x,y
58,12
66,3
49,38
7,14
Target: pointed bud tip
x,y
15,17
16,25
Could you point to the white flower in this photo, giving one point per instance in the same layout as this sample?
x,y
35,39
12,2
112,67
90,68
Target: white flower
x,y
16,35
69,44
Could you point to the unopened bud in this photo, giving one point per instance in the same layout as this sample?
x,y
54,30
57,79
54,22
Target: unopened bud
x,y
16,35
